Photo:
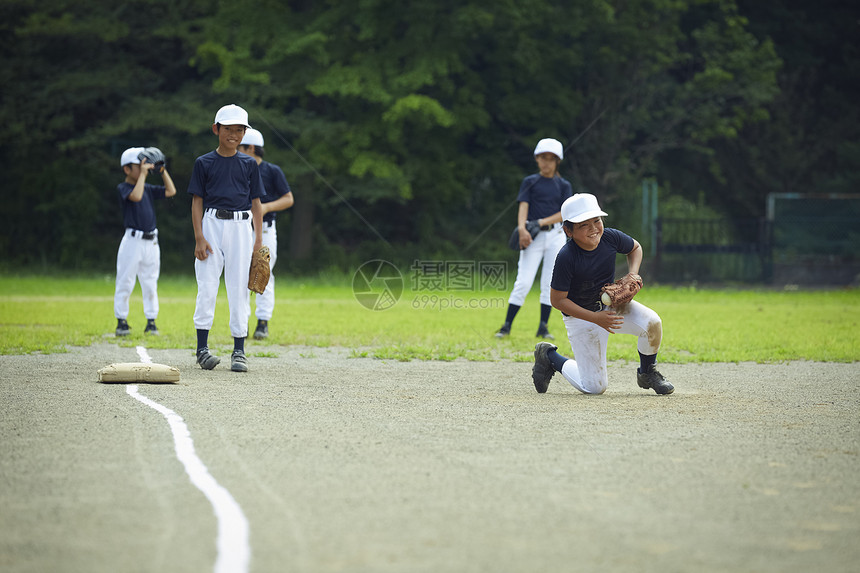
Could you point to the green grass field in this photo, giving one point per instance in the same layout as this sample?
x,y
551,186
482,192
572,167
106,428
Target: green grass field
x,y
47,314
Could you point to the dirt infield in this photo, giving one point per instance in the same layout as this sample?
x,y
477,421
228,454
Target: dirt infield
x,y
362,465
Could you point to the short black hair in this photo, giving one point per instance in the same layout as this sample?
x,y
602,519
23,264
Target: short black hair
x,y
244,127
569,225
260,152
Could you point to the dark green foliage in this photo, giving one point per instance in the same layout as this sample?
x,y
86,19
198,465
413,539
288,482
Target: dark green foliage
x,y
405,127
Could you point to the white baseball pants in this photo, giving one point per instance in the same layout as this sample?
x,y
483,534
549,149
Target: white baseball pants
x,y
543,249
587,370
137,258
232,242
266,301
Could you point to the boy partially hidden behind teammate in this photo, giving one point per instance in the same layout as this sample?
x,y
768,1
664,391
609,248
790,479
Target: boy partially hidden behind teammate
x,y
226,189
582,267
278,197
139,256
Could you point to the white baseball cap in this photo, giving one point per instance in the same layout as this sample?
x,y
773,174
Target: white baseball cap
x,y
232,115
581,207
252,137
129,156
550,146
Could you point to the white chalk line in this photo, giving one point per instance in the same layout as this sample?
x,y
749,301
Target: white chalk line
x,y
234,551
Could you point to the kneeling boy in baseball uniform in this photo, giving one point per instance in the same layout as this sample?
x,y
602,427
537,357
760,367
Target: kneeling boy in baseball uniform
x,y
582,267
226,188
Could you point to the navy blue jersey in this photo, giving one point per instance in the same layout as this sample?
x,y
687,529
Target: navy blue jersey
x,y
583,273
544,195
140,215
275,184
226,182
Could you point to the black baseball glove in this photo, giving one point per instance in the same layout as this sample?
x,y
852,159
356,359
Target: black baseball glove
x,y
154,156
514,242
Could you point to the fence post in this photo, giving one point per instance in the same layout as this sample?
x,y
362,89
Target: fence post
x,y
646,228
658,240
649,214
654,217
766,245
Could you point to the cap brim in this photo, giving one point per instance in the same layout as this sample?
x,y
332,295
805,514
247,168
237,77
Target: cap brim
x,y
230,122
587,215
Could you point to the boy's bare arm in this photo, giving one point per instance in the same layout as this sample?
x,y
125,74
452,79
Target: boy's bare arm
x,y
201,245
257,217
137,193
169,187
606,319
285,201
634,258
551,220
522,215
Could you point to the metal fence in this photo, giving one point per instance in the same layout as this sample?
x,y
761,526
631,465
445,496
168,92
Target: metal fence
x,y
713,250
758,250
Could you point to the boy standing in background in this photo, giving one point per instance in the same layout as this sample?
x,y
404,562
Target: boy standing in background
x,y
277,198
226,189
540,197
139,256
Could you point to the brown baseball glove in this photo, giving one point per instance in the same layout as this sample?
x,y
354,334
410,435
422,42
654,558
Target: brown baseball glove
x,y
621,291
258,277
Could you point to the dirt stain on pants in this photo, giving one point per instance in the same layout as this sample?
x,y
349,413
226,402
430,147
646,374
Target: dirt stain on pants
x,y
655,334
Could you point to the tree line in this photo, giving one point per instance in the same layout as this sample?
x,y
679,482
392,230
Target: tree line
x,y
404,128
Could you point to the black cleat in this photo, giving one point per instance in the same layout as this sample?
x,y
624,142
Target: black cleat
x,y
150,327
262,330
122,327
504,330
206,359
543,332
654,380
238,362
542,370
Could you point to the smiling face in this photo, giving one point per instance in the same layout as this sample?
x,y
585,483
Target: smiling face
x,y
586,234
229,138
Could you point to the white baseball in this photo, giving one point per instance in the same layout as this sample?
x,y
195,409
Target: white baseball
x,y
605,299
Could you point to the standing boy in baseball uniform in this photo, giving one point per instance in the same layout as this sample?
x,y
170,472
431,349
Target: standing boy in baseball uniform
x,y
277,198
583,266
540,198
226,189
139,256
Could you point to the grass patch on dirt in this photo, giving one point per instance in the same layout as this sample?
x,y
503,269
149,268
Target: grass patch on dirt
x,y
48,314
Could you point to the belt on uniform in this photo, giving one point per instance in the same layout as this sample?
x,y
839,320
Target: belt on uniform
x,y
144,236
230,215
269,223
546,227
